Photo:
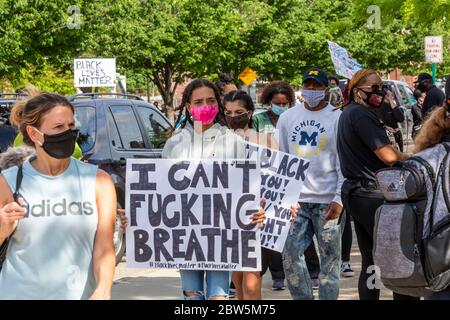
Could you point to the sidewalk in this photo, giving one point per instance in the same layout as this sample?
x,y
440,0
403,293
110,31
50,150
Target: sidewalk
x,y
162,284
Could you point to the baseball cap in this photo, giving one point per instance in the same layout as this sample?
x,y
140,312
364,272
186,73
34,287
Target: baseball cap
x,y
423,77
318,75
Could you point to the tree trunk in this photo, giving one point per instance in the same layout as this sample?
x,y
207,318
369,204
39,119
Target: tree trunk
x,y
163,79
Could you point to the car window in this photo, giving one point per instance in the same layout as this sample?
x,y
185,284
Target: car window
x,y
155,126
116,142
86,123
128,127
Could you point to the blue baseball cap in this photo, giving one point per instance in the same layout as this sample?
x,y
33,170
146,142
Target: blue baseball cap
x,y
317,74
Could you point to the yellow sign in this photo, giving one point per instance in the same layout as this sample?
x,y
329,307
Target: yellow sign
x,y
248,76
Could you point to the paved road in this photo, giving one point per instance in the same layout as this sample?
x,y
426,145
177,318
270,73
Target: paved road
x,y
163,284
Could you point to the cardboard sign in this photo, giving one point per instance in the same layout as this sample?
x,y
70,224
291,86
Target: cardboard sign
x,y
94,72
282,177
193,214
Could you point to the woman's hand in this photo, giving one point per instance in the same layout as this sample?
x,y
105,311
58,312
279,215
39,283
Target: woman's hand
x,y
123,219
294,211
260,216
10,215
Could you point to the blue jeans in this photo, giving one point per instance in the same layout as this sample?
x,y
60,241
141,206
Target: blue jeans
x,y
217,283
310,221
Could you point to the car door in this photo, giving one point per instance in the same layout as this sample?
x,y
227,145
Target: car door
x,y
156,127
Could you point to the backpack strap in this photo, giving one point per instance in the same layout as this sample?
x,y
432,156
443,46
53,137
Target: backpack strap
x,y
444,176
444,187
19,179
428,167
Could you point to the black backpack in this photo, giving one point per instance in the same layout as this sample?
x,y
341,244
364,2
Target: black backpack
x,y
411,248
4,245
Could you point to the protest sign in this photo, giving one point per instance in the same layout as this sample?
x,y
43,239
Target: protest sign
x,y
282,177
193,214
94,72
344,64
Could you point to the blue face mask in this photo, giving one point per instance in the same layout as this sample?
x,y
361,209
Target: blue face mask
x,y
313,97
277,109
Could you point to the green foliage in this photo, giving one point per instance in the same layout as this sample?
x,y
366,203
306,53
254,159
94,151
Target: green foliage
x,y
169,42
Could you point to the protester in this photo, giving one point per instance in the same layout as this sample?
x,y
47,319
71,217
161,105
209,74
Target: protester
x,y
416,111
278,96
309,131
226,84
430,149
434,96
364,148
60,224
205,139
335,93
239,109
391,114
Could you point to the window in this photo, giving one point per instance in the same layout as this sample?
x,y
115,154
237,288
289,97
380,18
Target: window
x,y
129,132
113,132
155,125
86,122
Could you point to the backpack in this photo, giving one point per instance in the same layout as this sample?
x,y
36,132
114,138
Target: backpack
x,y
411,246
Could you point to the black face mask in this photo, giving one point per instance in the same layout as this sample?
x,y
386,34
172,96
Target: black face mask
x,y
237,122
61,145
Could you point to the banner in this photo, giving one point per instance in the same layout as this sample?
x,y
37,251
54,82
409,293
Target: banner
x,y
344,64
282,177
193,214
94,72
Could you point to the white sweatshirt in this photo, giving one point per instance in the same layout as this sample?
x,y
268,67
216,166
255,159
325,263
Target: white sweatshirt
x,y
217,142
312,135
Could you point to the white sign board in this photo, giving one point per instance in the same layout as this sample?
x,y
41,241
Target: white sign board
x,y
193,214
282,177
94,72
433,49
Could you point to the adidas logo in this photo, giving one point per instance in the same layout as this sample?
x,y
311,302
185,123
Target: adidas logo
x,y
392,188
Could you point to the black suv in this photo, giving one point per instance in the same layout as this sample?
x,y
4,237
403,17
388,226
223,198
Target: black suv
x,y
7,132
114,127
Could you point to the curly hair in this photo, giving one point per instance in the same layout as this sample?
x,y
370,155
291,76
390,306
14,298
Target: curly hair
x,y
435,127
277,87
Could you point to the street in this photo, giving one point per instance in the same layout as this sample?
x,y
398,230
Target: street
x,y
161,284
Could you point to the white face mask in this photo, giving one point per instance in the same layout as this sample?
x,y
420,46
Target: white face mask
x,y
313,97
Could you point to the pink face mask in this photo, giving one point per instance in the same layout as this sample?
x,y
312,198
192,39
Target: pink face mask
x,y
205,114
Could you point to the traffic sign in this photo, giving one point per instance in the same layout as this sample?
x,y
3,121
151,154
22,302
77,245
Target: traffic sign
x,y
433,49
248,76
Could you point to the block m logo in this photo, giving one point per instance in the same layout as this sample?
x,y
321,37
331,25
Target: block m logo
x,y
305,139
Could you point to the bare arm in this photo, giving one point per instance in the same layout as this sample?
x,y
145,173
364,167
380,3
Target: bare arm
x,y
104,253
389,155
10,211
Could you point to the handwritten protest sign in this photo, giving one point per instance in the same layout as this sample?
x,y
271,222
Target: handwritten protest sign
x,y
282,177
94,72
193,214
344,64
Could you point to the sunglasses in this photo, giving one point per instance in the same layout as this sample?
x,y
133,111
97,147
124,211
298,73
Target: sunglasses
x,y
377,89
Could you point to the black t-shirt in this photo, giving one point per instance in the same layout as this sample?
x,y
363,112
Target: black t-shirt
x,y
359,134
435,97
